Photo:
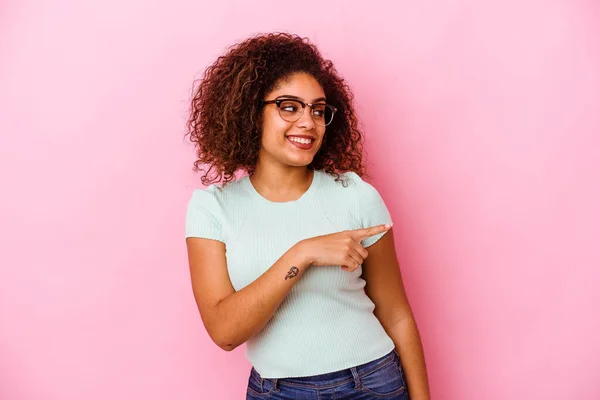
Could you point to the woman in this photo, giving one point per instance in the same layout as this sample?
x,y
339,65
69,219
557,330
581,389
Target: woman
x,y
279,258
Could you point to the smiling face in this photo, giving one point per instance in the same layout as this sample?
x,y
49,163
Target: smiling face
x,y
292,143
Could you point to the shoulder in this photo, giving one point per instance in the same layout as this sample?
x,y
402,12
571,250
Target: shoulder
x,y
218,197
349,188
350,183
350,202
212,211
370,206
352,187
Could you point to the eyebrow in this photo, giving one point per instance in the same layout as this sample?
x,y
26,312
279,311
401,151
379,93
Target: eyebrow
x,y
289,96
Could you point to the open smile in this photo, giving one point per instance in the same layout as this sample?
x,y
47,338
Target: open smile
x,y
301,142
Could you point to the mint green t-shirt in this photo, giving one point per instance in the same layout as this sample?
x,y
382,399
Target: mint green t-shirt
x,y
326,322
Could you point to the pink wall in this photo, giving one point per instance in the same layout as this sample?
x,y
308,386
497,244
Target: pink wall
x,y
483,132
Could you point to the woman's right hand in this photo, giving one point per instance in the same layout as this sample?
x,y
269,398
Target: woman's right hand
x,y
341,248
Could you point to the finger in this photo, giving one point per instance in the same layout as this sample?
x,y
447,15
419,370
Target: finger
x,y
350,269
362,252
356,257
353,260
350,262
363,233
353,267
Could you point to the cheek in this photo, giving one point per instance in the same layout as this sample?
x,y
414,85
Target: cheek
x,y
322,134
274,130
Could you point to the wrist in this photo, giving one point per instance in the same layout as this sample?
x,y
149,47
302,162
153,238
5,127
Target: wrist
x,y
300,256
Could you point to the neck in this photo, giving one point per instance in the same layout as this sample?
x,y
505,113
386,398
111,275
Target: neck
x,y
281,183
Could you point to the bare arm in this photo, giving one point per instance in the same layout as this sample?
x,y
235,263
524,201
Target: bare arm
x,y
385,288
222,308
230,317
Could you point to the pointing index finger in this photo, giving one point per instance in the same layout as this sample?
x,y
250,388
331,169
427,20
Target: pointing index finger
x,y
372,231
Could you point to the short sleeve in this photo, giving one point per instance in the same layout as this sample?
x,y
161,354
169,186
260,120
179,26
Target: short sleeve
x,y
372,210
202,217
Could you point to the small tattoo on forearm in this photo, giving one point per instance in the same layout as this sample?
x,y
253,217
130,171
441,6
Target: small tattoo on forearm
x,y
292,273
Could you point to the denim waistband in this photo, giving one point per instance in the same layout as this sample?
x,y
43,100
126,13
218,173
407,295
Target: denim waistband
x,y
333,379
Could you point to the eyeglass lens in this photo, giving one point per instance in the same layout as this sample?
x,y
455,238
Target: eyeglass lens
x,y
292,110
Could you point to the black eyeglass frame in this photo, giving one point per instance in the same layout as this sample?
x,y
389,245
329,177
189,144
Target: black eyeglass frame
x,y
311,105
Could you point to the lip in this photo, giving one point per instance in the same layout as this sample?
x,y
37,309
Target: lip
x,y
301,146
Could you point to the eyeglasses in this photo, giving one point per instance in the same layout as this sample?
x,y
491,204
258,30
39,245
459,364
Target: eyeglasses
x,y
291,110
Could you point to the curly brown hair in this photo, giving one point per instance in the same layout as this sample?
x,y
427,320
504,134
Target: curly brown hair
x,y
226,110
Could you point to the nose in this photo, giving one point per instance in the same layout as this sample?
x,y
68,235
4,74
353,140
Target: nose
x,y
306,121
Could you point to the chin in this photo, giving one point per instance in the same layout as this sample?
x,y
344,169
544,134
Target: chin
x,y
298,160
298,163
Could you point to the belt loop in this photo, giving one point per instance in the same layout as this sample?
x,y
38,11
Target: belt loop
x,y
275,385
357,384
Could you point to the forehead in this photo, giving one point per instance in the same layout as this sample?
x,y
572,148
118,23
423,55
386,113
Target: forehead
x,y
301,85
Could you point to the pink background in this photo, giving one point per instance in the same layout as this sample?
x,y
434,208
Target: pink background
x,y
483,137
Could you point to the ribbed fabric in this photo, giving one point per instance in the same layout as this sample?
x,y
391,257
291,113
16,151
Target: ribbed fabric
x,y
326,323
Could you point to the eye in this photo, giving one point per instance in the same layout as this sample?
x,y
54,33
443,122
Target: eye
x,y
319,111
289,106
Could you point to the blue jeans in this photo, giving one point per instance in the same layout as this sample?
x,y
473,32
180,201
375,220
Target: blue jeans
x,y
379,379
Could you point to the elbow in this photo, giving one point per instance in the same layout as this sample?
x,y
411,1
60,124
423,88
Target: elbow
x,y
227,345
224,341
221,333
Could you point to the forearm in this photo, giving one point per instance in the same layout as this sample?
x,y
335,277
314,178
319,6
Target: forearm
x,y
405,336
244,313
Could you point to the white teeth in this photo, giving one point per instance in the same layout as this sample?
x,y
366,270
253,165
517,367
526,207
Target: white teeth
x,y
300,140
